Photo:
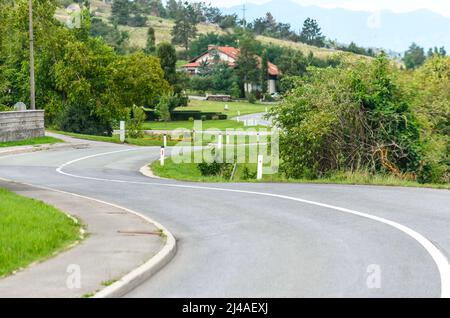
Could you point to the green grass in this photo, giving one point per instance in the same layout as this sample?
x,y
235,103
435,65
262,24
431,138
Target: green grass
x,y
244,107
28,142
31,231
190,172
207,124
147,141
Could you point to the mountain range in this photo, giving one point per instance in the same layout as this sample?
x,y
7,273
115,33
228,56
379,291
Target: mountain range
x,y
385,29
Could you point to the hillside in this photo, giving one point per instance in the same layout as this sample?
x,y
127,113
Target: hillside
x,y
163,28
384,29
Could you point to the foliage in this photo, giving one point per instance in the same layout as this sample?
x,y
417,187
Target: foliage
x,y
311,33
110,34
164,108
247,66
348,118
264,72
414,57
185,27
135,121
150,47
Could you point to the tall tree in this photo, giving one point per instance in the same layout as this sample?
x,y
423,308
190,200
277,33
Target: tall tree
x,y
120,12
247,67
264,72
185,28
311,33
150,47
414,57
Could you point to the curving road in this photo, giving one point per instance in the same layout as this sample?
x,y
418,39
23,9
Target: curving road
x,y
265,240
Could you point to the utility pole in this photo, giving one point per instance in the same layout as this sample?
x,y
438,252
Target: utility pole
x,y
244,21
32,84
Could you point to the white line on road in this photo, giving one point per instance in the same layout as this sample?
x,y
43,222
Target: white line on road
x,y
439,258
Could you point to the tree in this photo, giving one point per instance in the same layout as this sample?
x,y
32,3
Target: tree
x,y
264,72
414,57
349,118
162,110
311,33
185,27
150,47
137,80
168,60
120,12
247,66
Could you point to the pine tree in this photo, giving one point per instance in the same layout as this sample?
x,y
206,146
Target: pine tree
x,y
150,47
184,30
264,72
120,12
311,33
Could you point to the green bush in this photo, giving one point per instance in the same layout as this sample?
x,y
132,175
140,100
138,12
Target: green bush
x,y
215,169
79,119
134,123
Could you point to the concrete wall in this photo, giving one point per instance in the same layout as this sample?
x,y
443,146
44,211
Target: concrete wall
x,y
19,125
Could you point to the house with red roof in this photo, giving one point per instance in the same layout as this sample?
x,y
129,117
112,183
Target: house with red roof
x,y
230,55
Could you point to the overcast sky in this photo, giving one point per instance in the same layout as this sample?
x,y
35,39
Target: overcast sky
x,y
439,6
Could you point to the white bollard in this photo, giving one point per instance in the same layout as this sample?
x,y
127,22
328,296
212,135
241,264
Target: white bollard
x,y
165,141
267,109
122,131
219,141
259,174
162,156
228,139
239,113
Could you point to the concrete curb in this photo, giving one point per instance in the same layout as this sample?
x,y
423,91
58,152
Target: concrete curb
x,y
143,272
146,171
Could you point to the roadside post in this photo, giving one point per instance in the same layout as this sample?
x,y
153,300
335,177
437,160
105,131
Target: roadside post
x,y
259,174
267,109
165,140
219,141
162,156
257,137
228,139
122,131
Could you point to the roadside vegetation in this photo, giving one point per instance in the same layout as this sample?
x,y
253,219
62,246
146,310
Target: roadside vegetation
x,y
31,142
31,231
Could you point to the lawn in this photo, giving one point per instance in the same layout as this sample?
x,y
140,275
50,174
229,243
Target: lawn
x,y
207,124
244,107
33,141
31,231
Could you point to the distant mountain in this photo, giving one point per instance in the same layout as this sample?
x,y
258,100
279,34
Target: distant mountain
x,y
385,29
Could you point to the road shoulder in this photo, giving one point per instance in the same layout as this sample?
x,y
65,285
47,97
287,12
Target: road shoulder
x,y
122,249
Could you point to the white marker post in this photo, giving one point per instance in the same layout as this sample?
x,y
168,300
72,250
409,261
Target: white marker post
x,y
165,141
219,141
257,137
122,131
162,156
259,174
267,109
228,139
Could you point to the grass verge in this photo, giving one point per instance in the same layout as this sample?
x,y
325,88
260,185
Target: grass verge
x,y
31,231
207,124
247,173
31,142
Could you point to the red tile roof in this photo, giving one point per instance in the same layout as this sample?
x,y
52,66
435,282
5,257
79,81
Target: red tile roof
x,y
234,54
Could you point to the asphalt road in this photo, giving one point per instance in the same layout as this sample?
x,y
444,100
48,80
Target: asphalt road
x,y
265,240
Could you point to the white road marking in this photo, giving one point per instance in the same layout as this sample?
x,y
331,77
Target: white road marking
x,y
437,256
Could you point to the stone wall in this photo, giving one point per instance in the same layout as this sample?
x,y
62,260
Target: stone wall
x,y
19,125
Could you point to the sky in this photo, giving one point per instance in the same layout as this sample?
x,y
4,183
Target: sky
x,y
439,6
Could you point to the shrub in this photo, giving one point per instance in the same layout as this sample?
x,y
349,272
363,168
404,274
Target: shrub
x,y
79,119
135,122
